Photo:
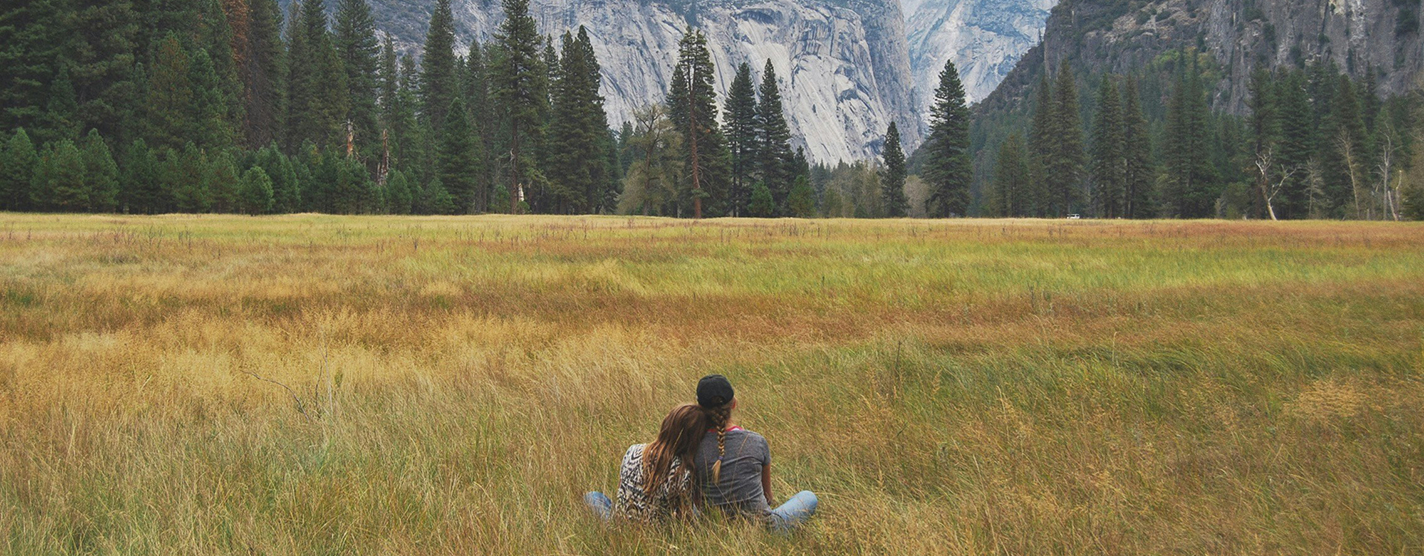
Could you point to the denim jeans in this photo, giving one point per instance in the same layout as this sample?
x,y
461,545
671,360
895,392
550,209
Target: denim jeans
x,y
600,504
790,515
794,512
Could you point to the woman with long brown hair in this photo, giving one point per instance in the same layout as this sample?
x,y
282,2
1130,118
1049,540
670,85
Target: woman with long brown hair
x,y
655,480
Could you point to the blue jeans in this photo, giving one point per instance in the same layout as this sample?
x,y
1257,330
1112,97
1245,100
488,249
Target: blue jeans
x,y
600,504
785,517
794,512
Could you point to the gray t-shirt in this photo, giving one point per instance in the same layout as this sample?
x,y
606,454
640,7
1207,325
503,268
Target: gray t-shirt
x,y
739,489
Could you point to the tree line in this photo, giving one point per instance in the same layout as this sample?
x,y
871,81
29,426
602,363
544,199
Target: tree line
x,y
1315,143
154,106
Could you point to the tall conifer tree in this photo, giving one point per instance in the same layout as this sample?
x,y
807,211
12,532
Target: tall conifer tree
x,y
439,81
948,168
740,129
265,71
1064,167
519,84
1138,172
692,108
356,45
892,175
1108,153
774,140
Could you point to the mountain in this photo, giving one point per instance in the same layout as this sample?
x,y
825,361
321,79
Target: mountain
x,y
985,38
1118,36
844,64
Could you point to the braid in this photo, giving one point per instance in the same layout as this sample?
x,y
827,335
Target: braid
x,y
719,417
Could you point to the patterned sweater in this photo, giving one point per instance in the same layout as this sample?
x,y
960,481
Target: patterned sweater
x,y
649,507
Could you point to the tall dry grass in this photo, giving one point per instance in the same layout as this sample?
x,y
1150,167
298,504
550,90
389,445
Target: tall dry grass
x,y
327,385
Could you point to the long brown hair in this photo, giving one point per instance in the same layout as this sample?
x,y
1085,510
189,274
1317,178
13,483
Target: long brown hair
x,y
717,418
681,433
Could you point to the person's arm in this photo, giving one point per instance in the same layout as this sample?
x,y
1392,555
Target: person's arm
x,y
766,482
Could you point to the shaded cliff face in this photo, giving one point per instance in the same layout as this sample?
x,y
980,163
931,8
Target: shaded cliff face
x,y
844,66
1098,37
985,38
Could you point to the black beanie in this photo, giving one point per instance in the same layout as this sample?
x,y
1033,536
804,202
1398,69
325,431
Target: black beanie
x,y
714,391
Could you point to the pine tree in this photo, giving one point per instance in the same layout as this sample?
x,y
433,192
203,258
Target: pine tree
x,y
211,129
1041,141
101,47
61,116
1109,152
1064,169
459,157
692,107
286,189
317,103
439,79
222,183
579,172
892,177
1265,130
390,82
61,180
519,81
477,99
32,33
190,180
1191,191
773,139
101,174
398,193
1297,145
741,132
265,73
1011,191
356,46
801,202
948,168
1343,148
17,171
1138,172
436,200
761,204
172,114
255,195
140,190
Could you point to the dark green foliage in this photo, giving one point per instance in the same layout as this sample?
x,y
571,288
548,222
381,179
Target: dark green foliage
x,y
948,168
520,83
1011,195
775,160
459,157
286,191
101,49
398,193
1063,168
141,189
187,177
439,80
1265,133
761,204
434,199
171,118
101,174
1344,152
741,132
255,194
31,41
265,75
692,107
356,46
17,171
222,183
210,106
1192,188
1109,164
1139,175
1297,146
801,202
316,102
579,171
892,177
59,181
61,116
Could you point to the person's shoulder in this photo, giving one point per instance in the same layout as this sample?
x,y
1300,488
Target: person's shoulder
x,y
752,436
634,451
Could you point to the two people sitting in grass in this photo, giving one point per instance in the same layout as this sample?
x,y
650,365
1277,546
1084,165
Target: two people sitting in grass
x,y
701,459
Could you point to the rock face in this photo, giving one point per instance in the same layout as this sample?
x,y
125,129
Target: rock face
x,y
985,38
1098,37
844,65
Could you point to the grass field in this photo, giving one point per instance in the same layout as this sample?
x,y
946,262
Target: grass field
x,y
456,384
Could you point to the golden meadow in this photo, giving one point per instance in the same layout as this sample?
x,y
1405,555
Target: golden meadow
x,y
396,385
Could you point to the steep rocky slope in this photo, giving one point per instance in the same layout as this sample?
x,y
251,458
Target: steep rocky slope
x,y
1098,36
985,38
844,64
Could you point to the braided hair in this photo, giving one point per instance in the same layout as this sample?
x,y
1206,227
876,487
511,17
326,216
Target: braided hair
x,y
718,418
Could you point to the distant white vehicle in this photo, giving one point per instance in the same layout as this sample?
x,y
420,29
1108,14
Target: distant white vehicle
x,y
1075,217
